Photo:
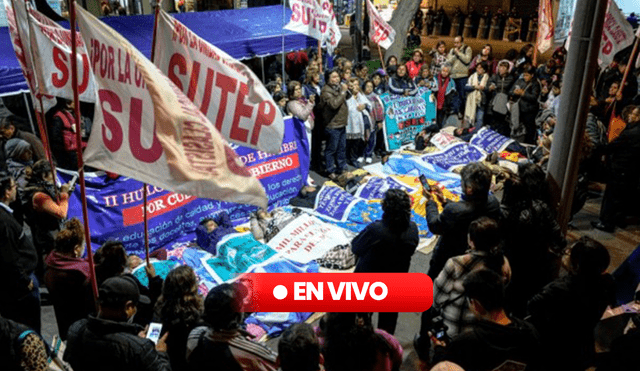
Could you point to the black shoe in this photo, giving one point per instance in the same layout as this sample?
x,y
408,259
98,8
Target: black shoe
x,y
603,227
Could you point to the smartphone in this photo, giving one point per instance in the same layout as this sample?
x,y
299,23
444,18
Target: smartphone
x,y
425,184
153,333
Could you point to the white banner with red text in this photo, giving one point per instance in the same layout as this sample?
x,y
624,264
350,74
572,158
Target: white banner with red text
x,y
226,91
381,32
147,129
16,11
53,60
617,34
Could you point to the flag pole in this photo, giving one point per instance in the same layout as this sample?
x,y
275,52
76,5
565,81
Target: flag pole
x,y
144,185
284,15
630,65
76,114
40,114
381,58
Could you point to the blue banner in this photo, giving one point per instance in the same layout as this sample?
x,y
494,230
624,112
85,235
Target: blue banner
x,y
412,165
375,188
116,207
405,116
454,155
335,203
237,253
490,141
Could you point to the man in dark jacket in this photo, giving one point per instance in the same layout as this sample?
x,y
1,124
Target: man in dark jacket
x,y
20,294
453,223
8,130
495,340
624,172
223,342
109,341
526,92
335,114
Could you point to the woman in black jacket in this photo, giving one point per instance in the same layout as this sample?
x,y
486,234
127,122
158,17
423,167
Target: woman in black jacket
x,y
388,244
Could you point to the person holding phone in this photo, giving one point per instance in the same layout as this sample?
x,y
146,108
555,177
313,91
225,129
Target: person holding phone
x,y
453,222
110,341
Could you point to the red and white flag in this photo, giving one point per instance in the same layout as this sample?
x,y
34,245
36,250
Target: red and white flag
x,y
545,26
308,18
147,129
226,91
52,59
334,35
380,32
617,34
18,22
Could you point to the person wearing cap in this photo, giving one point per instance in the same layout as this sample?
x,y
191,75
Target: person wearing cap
x,y
223,342
415,64
110,341
19,157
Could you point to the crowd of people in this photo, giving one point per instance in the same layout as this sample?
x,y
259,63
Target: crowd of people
x,y
505,278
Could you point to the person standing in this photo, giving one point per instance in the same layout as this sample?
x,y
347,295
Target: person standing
x,y
387,245
460,58
335,115
623,154
302,108
20,293
415,64
525,93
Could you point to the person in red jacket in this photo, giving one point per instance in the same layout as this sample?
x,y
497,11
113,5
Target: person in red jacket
x,y
415,64
62,135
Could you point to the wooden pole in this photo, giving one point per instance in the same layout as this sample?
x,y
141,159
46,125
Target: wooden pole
x,y
76,111
381,58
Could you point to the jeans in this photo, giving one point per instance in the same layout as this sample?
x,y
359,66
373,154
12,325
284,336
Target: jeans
x,y
370,144
458,105
479,117
336,151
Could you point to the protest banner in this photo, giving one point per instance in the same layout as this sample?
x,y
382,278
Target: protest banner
x,y
226,90
457,154
414,166
147,129
334,203
237,254
115,206
309,18
617,34
307,238
380,32
375,188
544,40
442,139
490,141
332,38
564,19
53,45
405,116
18,24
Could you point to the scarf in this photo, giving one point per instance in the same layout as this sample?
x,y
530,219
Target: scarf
x,y
58,261
442,90
355,123
474,99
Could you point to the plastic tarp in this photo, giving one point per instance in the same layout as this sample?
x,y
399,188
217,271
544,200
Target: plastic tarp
x,y
241,33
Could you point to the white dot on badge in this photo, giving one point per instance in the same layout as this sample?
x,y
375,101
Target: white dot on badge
x,y
280,292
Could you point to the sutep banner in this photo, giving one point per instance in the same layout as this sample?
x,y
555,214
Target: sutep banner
x,y
115,206
406,116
